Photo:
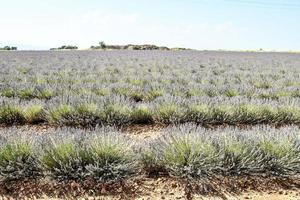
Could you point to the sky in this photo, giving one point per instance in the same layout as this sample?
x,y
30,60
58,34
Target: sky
x,y
197,24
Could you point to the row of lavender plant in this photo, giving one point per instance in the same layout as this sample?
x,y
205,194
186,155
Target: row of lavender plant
x,y
185,152
117,110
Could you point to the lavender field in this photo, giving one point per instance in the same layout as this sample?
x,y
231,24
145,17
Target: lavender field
x,y
89,88
219,114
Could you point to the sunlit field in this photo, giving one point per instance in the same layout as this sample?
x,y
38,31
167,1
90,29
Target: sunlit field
x,y
112,118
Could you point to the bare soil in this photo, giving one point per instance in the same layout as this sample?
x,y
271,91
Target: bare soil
x,y
143,188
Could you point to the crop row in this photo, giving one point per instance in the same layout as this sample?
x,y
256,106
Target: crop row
x,y
144,76
146,93
187,152
119,111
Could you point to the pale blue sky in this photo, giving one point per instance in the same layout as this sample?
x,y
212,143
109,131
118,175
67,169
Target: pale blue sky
x,y
200,24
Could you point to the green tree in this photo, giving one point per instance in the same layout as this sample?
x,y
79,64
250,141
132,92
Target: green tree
x,y
102,45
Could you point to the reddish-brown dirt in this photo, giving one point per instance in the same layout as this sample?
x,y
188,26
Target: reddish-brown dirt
x,y
144,188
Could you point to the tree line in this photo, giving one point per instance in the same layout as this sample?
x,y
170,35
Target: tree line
x,y
8,48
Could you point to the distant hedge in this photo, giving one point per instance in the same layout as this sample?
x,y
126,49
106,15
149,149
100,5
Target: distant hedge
x,y
65,47
8,48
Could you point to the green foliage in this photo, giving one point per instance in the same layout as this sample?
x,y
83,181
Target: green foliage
x,y
18,162
223,115
81,115
58,114
189,157
101,92
85,115
8,48
34,114
262,85
142,114
151,163
44,94
27,93
110,160
153,94
7,92
10,115
102,45
65,47
103,158
231,93
117,114
200,114
191,152
201,87
62,161
169,113
187,152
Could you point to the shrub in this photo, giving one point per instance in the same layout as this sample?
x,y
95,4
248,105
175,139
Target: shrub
x,y
200,114
194,92
262,84
101,92
281,156
238,156
112,158
27,93
121,91
153,94
63,161
137,96
79,115
7,92
116,114
101,156
10,115
86,115
44,94
191,152
189,158
247,114
34,114
151,161
169,113
18,161
60,114
142,115
222,115
231,93
288,115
